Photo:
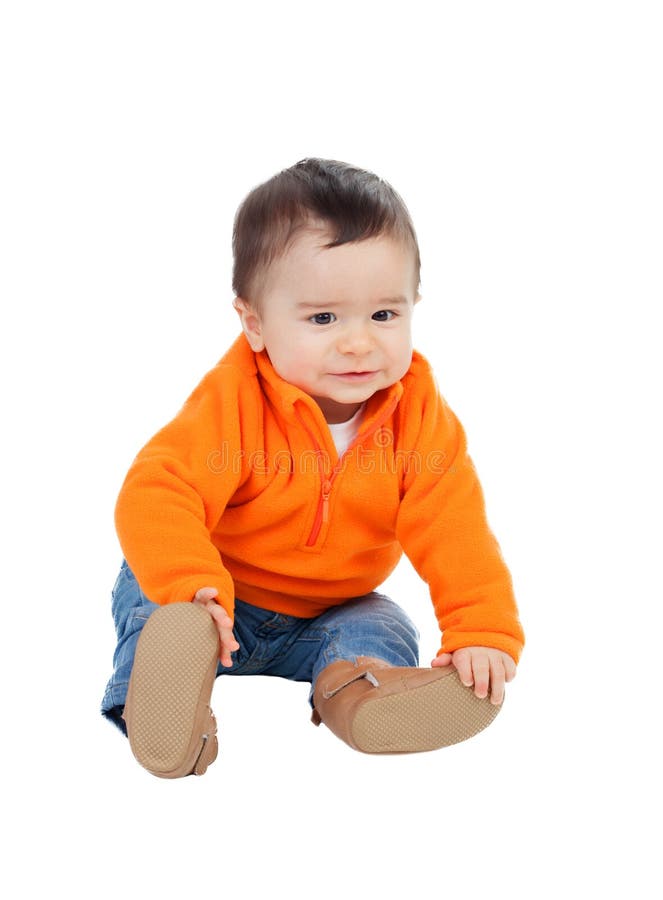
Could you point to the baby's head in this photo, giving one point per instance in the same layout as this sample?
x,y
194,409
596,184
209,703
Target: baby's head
x,y
326,275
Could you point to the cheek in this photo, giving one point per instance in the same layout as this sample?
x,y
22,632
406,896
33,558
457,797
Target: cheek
x,y
293,357
400,346
401,358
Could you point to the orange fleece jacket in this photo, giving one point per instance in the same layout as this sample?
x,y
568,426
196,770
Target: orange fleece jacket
x,y
244,491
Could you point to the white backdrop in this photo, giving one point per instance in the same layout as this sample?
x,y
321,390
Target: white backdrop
x,y
526,140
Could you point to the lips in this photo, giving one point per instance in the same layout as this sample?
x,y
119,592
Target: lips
x,y
354,376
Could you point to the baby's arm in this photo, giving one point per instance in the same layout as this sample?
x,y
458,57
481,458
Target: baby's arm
x,y
227,643
456,553
483,667
178,489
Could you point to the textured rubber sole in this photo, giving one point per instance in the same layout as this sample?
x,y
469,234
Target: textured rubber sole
x,y
171,728
429,717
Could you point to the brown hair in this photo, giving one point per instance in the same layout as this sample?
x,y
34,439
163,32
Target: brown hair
x,y
352,203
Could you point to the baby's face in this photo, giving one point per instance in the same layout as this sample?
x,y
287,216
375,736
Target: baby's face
x,y
337,322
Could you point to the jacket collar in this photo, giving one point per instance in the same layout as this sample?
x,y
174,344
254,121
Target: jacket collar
x,y
295,405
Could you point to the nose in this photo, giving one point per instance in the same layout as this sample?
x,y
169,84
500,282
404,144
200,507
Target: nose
x,y
355,340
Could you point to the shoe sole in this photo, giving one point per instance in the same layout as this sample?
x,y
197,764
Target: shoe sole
x,y
171,728
435,715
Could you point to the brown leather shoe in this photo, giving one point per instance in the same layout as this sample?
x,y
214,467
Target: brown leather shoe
x,y
171,727
377,708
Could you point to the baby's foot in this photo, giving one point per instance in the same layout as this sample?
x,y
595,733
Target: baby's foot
x,y
171,727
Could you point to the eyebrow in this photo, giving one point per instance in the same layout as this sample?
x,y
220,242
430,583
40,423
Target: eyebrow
x,y
385,301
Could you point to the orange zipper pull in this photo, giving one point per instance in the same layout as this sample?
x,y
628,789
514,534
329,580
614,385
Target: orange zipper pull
x,y
326,488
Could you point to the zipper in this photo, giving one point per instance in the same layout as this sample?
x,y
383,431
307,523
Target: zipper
x,y
327,481
322,513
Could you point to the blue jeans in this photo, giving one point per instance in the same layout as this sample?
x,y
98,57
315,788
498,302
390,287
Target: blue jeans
x,y
271,643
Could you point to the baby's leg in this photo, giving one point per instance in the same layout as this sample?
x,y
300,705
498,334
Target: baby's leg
x,y
131,609
366,626
165,665
368,690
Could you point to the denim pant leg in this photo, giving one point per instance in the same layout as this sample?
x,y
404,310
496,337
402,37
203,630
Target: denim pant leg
x,y
271,643
372,625
131,609
263,636
368,626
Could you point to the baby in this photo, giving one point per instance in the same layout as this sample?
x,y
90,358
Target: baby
x,y
259,523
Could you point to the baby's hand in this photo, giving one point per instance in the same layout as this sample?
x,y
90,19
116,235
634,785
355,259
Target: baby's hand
x,y
483,667
227,643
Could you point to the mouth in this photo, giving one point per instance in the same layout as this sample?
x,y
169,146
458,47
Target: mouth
x,y
355,376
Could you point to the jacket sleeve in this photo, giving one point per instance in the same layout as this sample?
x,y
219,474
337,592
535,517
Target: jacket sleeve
x,y
176,491
442,528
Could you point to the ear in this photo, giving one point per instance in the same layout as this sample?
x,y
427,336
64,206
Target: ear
x,y
250,324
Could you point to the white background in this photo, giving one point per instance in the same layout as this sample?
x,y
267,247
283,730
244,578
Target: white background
x,y
526,140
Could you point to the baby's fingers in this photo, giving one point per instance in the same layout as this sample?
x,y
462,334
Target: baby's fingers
x,y
227,642
227,645
224,624
497,679
205,595
481,671
462,660
509,668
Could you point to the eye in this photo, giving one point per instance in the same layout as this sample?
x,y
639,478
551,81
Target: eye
x,y
324,318
383,315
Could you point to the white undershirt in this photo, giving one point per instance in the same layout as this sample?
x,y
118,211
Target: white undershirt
x,y
344,433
